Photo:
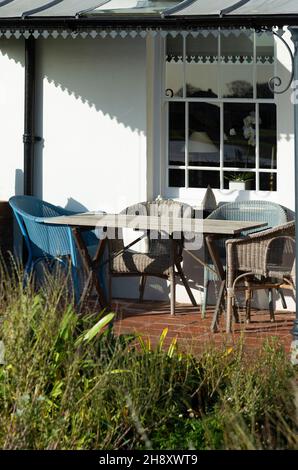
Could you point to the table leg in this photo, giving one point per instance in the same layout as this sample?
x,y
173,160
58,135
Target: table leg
x,y
214,324
185,283
213,251
91,267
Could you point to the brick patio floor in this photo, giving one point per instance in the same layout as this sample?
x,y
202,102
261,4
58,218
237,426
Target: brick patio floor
x,y
193,333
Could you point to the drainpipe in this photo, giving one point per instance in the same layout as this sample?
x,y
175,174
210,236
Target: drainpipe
x,y
294,32
29,116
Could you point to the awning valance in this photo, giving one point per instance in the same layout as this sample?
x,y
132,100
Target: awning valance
x,y
90,18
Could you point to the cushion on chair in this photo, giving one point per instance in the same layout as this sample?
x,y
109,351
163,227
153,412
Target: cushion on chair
x,y
131,262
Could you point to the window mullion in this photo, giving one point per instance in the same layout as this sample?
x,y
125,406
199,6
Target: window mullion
x,y
184,66
254,77
257,147
186,112
186,143
167,109
221,151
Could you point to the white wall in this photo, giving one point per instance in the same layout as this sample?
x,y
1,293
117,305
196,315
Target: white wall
x,y
94,122
11,117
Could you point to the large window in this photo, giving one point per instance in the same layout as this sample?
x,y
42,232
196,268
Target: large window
x,y
221,113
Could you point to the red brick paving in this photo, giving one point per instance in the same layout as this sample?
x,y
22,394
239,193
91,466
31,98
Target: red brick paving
x,y
192,332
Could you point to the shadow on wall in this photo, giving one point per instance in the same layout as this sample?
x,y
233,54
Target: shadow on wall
x,y
99,72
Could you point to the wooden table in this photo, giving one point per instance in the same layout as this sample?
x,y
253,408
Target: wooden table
x,y
212,229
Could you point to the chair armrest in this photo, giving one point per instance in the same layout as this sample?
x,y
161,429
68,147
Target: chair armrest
x,y
280,230
280,257
249,254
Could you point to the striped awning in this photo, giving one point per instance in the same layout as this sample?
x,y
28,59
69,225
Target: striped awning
x,y
221,8
93,18
47,8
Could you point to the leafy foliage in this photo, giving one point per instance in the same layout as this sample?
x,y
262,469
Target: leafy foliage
x,y
68,382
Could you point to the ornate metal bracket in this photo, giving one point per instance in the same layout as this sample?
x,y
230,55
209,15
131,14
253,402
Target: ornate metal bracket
x,y
169,93
277,81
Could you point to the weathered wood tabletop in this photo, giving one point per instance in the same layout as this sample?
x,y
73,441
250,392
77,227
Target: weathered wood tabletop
x,y
165,223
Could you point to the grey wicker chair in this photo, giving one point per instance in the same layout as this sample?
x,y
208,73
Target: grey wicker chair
x,y
258,210
261,260
164,256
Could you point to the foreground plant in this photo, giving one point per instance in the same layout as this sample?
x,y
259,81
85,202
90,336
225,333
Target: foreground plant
x,y
68,382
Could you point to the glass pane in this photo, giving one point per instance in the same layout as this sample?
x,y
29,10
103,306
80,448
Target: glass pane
x,y
239,135
237,81
268,137
201,66
202,80
235,180
265,63
268,181
202,49
176,134
237,48
265,48
264,74
202,178
204,134
176,178
174,66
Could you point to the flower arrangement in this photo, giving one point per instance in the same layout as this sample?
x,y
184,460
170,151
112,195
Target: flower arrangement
x,y
240,177
249,128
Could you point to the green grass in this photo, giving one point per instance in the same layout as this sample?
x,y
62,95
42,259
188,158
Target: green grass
x,y
69,383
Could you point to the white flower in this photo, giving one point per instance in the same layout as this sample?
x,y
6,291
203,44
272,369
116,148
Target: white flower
x,y
249,131
233,132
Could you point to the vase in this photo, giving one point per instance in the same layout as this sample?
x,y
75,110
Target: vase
x,y
239,185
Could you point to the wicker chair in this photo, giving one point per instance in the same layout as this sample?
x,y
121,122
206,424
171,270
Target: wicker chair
x,y
262,260
261,211
163,257
49,243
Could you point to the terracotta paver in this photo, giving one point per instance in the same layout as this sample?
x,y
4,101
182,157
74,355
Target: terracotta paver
x,y
193,333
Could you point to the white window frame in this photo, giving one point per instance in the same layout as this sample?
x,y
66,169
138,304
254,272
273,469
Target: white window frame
x,y
191,192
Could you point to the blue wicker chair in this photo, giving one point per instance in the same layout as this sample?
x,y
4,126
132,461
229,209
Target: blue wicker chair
x,y
260,211
48,242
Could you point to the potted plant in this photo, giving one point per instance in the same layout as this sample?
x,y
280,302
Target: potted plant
x,y
240,181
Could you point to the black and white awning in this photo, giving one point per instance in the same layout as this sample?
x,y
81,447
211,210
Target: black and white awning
x,y
47,8
138,18
233,8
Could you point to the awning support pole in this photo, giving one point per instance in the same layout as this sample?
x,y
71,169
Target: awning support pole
x,y
294,32
29,116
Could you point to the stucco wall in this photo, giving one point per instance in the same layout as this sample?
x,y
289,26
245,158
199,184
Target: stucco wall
x,y
94,122
11,117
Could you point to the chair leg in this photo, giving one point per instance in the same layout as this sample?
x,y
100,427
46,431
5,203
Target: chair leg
x,y
248,305
282,296
142,287
205,300
172,289
236,313
185,283
229,310
27,272
110,297
271,309
76,288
